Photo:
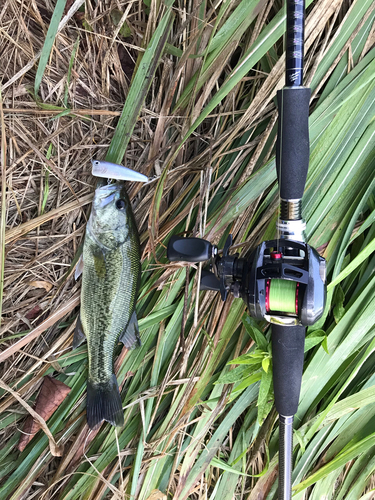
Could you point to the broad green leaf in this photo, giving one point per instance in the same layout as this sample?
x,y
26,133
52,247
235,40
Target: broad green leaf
x,y
266,363
246,359
254,332
314,338
252,379
235,375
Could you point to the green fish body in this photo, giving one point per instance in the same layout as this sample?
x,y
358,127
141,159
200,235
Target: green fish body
x,y
110,282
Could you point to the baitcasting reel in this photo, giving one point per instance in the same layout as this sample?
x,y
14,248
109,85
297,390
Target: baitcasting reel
x,y
282,282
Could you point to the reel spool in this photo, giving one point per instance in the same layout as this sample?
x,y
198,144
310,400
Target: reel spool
x,y
282,296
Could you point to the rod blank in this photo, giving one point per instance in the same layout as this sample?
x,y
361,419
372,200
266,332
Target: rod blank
x,y
295,32
285,457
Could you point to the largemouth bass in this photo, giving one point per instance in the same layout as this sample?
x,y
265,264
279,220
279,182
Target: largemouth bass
x,y
110,282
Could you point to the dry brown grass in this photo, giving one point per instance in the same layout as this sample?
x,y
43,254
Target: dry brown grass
x,y
46,252
48,152
49,184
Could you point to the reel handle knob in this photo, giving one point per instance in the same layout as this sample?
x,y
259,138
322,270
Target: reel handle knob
x,y
190,249
209,281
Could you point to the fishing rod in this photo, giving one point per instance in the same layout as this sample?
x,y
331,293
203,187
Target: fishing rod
x,y
283,280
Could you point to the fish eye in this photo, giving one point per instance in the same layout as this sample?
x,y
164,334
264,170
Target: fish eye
x,y
120,204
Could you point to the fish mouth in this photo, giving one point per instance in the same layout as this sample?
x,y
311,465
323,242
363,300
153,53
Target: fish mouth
x,y
105,195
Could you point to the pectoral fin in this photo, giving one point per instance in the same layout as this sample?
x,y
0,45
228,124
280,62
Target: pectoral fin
x,y
79,268
130,336
79,334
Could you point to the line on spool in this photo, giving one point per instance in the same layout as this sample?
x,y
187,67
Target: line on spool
x,y
282,295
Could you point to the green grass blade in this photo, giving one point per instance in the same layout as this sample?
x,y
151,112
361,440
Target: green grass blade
x,y
366,252
139,88
48,43
210,450
71,62
337,462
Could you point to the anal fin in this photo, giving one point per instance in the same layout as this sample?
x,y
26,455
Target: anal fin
x,y
130,336
79,334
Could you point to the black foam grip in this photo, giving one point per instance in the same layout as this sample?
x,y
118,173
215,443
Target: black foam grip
x,y
292,146
288,343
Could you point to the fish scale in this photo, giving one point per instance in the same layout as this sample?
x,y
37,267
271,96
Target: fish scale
x,y
110,282
106,296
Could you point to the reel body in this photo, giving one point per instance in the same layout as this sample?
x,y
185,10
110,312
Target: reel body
x,y
283,281
286,286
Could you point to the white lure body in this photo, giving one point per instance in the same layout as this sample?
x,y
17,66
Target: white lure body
x,y
109,170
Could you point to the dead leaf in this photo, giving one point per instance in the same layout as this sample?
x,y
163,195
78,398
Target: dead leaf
x,y
157,495
52,393
40,284
33,313
55,449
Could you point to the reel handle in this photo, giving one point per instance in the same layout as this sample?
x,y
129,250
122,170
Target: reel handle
x,y
209,281
190,249
288,345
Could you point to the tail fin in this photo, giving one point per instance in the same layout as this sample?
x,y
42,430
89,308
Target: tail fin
x,y
104,403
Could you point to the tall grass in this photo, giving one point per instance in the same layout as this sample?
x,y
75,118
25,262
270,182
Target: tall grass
x,y
200,116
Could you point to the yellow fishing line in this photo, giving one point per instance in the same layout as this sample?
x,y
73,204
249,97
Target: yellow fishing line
x,y
282,295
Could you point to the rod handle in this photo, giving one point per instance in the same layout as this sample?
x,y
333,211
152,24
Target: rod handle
x,y
288,345
292,146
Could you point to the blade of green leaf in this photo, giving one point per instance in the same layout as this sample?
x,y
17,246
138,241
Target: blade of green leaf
x,y
139,88
48,43
337,462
